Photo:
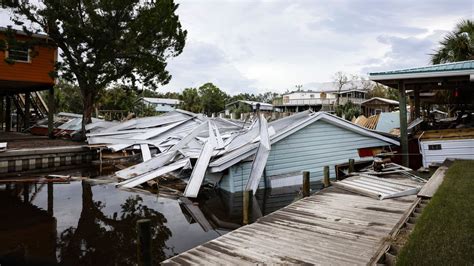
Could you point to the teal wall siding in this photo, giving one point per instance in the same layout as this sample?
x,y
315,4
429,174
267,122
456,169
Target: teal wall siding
x,y
237,178
309,149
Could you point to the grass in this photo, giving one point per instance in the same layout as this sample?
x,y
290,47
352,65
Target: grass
x,y
444,233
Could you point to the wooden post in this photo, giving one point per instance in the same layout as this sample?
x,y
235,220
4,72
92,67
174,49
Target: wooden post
x,y
417,103
306,184
326,181
26,122
8,114
2,112
403,122
351,165
247,206
51,110
50,198
144,242
26,193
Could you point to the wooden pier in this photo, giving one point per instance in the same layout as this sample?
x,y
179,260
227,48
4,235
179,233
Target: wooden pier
x,y
333,226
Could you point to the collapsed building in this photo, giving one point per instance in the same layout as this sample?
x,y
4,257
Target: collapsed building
x,y
236,155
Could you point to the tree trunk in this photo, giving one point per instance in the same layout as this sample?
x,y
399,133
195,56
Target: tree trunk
x,y
88,102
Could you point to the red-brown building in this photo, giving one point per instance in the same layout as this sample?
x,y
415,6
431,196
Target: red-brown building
x,y
26,66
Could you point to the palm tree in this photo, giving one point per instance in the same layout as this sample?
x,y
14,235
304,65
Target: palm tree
x,y
457,45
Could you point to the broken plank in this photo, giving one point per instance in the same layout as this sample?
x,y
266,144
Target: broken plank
x,y
197,176
130,183
145,167
260,160
146,155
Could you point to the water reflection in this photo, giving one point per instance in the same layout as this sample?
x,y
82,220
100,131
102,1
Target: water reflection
x,y
105,240
80,223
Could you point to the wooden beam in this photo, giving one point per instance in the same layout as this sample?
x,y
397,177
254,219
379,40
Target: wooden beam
x,y
417,103
26,121
403,123
2,112
51,110
8,114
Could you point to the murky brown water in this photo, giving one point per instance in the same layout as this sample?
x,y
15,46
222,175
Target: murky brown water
x,y
81,223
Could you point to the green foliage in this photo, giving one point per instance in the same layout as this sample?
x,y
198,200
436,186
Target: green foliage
x,y
67,98
348,110
191,100
117,98
383,92
212,98
457,45
104,41
241,109
444,233
243,97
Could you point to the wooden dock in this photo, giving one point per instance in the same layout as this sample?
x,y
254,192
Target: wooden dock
x,y
333,226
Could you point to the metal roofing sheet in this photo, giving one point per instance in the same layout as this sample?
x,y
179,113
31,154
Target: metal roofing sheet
x,y
456,66
376,187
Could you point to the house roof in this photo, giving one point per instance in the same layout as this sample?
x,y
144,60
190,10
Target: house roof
x,y
388,101
287,126
20,32
161,100
449,69
354,85
263,105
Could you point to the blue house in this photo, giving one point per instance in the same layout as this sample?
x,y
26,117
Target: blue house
x,y
303,142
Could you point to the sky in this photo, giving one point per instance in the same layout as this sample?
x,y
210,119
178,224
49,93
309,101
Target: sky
x,y
262,45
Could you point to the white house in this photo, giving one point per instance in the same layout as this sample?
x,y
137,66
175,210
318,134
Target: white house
x,y
162,105
322,98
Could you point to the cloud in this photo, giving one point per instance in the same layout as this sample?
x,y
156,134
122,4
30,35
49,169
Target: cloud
x,y
203,62
403,52
253,46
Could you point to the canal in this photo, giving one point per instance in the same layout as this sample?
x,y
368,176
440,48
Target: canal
x,y
90,223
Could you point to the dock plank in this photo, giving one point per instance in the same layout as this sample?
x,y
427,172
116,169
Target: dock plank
x,y
330,227
428,190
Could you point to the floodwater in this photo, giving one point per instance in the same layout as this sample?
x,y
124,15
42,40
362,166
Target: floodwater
x,y
84,223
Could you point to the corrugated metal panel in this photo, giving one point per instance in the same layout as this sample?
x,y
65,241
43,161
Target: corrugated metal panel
x,y
375,187
129,183
197,176
260,160
388,121
456,149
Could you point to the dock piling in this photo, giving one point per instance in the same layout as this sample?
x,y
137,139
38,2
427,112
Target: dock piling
x,y
306,184
247,206
144,242
326,181
351,165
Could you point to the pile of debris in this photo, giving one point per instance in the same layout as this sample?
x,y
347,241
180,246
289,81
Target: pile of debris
x,y
373,181
182,140
388,122
65,124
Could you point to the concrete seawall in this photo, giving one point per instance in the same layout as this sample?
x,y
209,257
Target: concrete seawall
x,y
20,160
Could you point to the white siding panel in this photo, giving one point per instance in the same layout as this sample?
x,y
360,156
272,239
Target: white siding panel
x,y
457,149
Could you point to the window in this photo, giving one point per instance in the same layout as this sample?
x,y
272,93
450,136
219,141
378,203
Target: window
x,y
19,54
434,147
322,95
286,99
311,96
